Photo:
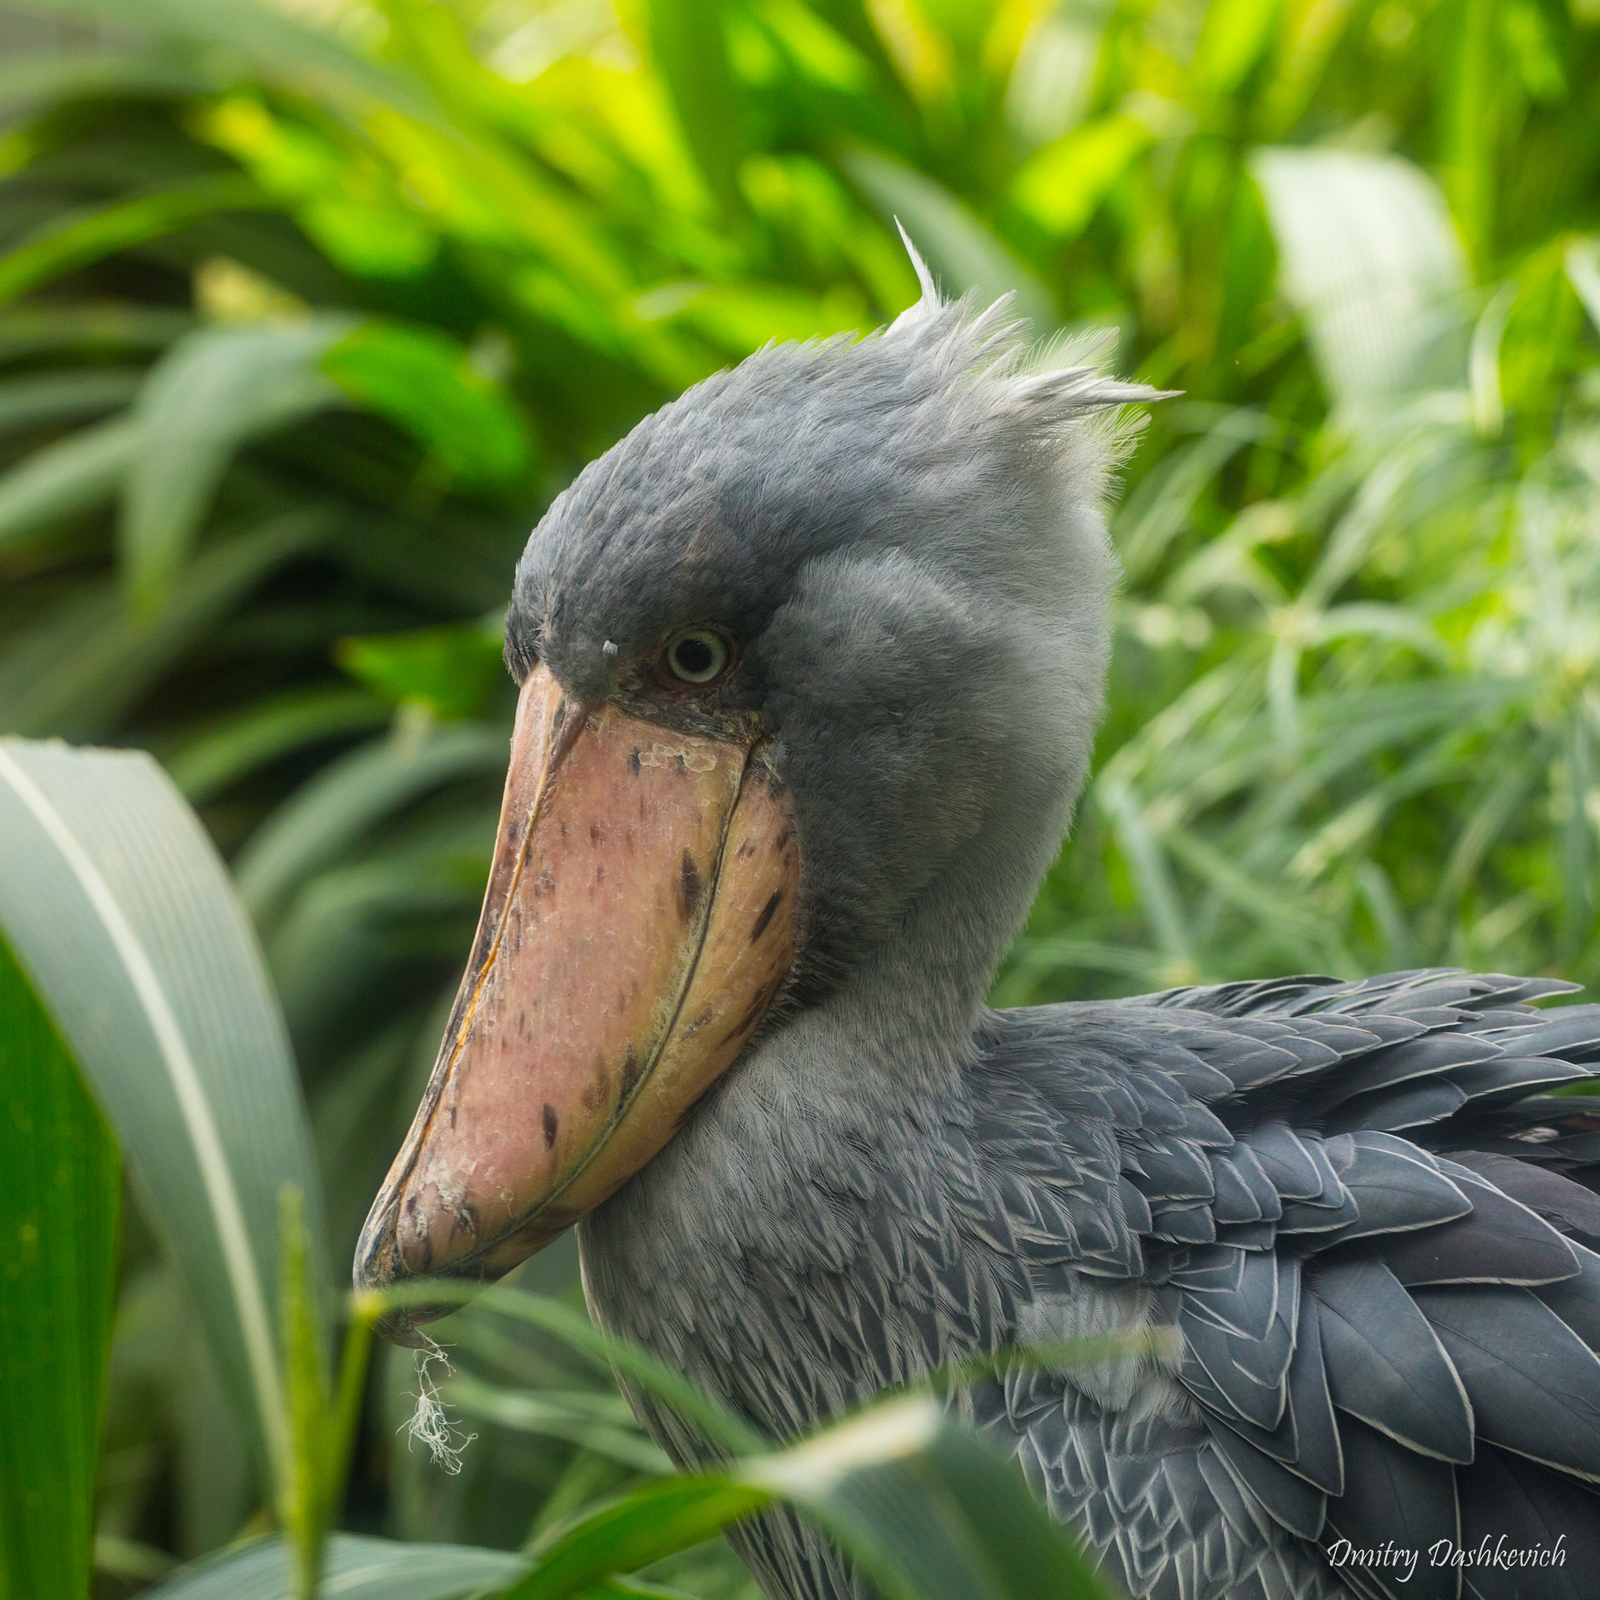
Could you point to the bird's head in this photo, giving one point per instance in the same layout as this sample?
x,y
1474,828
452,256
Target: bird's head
x,y
809,647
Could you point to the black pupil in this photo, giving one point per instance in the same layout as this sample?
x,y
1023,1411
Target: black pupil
x,y
693,657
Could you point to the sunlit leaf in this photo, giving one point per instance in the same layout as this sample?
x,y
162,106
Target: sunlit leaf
x,y
448,670
1370,259
1232,39
1062,185
690,44
963,253
421,380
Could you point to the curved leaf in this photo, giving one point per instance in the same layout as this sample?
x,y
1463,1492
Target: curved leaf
x,y
76,240
925,1508
223,754
347,797
41,398
353,1568
420,379
123,914
86,663
75,474
212,392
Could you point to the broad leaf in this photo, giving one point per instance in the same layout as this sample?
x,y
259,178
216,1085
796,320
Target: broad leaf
x,y
59,1208
354,1568
1369,257
123,914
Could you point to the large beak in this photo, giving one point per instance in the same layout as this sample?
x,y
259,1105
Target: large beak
x,y
638,922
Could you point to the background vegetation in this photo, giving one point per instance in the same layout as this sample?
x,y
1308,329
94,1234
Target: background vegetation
x,y
306,314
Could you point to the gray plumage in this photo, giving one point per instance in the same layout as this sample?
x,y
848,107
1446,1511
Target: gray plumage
x,y
1387,1316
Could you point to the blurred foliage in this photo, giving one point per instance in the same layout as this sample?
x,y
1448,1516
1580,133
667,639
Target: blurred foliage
x,y
306,315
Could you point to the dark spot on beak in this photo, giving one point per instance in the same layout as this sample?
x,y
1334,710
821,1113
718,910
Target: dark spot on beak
x,y
692,887
630,1070
453,1110
633,762
766,915
550,1125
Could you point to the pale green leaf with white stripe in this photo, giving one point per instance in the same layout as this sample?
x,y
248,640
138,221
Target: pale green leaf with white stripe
x,y
123,914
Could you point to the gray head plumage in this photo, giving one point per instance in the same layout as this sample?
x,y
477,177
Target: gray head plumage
x,y
905,533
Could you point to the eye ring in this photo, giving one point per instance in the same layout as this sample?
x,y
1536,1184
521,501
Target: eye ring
x,y
696,657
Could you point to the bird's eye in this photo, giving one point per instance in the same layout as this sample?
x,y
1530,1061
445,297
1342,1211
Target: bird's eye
x,y
697,655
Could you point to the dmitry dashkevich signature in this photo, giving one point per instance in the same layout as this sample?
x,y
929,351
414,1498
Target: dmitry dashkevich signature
x,y
1400,1561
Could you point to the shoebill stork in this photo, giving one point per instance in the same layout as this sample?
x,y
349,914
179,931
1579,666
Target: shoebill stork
x,y
811,664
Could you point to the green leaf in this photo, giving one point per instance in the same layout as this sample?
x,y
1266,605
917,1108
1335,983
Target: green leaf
x,y
313,59
354,1568
962,252
73,475
448,670
47,330
119,906
1370,259
213,392
1233,37
584,1419
39,399
78,239
59,1208
741,317
924,1507
928,1509
328,814
688,39
656,1521
1061,186
244,742
77,671
36,80
420,380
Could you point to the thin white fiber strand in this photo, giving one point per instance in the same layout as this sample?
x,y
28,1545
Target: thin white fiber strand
x,y
429,1422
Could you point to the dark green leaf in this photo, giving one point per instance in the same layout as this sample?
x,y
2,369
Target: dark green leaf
x,y
59,1208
